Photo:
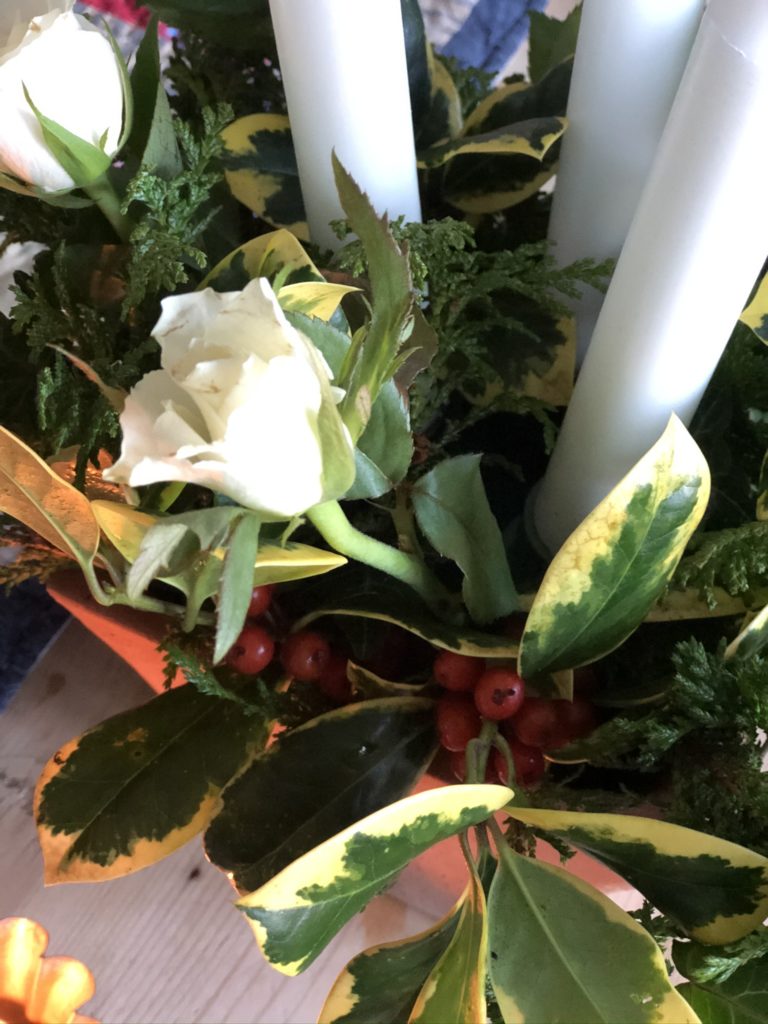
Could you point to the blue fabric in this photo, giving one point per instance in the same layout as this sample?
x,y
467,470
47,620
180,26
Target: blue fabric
x,y
29,618
492,33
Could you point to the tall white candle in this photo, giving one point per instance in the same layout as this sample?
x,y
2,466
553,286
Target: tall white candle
x,y
630,58
695,248
346,83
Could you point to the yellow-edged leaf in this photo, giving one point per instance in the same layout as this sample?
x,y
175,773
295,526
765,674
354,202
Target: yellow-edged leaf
x,y
33,493
298,912
715,890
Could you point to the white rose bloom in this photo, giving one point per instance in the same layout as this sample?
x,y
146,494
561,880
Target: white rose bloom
x,y
72,76
243,405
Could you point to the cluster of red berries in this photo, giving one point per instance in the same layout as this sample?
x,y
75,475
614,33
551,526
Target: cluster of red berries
x,y
305,655
530,725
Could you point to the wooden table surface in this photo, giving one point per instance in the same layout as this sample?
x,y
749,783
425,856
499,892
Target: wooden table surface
x,y
165,945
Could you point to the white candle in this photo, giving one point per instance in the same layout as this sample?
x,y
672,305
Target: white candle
x,y
630,58
695,248
346,83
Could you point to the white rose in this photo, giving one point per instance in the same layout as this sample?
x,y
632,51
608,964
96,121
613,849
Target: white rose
x,y
72,76
243,405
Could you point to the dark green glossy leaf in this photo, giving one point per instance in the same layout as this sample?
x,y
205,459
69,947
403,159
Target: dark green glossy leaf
x,y
239,24
417,59
365,594
551,41
511,104
593,963
315,781
452,511
742,998
138,786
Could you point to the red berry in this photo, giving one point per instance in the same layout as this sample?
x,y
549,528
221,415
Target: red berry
x,y
499,693
528,761
305,655
457,721
539,723
261,599
252,651
333,681
577,718
457,672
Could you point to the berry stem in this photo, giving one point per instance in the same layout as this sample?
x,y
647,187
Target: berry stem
x,y
519,799
478,751
336,529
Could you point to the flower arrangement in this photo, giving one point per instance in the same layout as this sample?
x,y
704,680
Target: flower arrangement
x,y
315,467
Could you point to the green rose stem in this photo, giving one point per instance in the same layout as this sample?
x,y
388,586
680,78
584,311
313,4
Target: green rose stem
x,y
337,530
108,201
110,597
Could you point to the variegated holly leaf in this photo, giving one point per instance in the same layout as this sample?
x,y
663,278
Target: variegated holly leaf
x,y
362,757
138,786
277,252
561,950
298,912
443,118
498,169
362,594
615,565
761,511
714,890
381,984
261,170
752,639
455,988
518,101
551,41
31,492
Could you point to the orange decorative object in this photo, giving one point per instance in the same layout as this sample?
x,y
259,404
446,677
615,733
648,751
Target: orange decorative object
x,y
36,989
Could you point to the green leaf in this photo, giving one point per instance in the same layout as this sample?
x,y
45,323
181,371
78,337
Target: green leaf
x,y
362,757
237,24
417,59
365,595
530,139
392,299
32,493
453,513
152,140
236,584
126,528
741,998
761,509
385,448
82,161
455,988
298,912
381,984
615,565
443,119
261,170
714,890
369,685
136,787
511,104
592,963
551,41
503,168
275,253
